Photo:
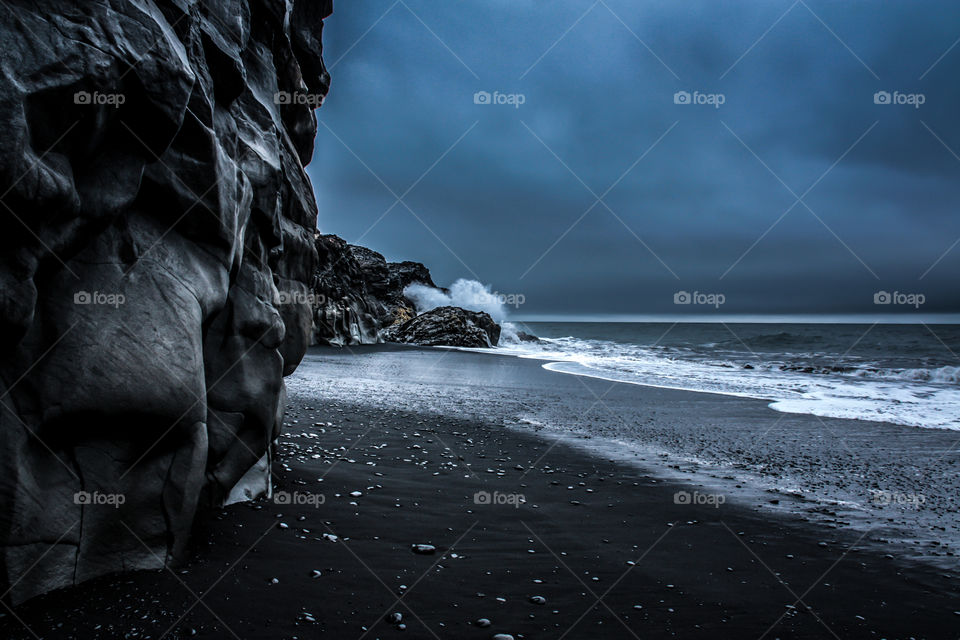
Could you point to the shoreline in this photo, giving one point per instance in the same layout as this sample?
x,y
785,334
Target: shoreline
x,y
839,472
699,570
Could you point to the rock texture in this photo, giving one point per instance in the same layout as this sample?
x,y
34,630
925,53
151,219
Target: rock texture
x,y
448,326
155,263
358,295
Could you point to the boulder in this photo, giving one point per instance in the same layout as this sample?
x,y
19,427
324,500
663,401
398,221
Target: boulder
x,y
449,326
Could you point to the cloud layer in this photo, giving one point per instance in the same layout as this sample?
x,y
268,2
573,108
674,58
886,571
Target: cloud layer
x,y
619,180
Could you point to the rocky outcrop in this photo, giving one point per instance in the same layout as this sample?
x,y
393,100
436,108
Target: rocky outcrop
x,y
157,251
448,326
358,294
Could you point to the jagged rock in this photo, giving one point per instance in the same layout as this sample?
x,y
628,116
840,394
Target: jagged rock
x,y
449,326
359,294
156,255
523,336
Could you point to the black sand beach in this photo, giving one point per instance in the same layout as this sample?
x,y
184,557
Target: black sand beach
x,y
598,546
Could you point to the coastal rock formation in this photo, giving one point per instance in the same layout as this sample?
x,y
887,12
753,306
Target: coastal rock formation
x,y
449,326
358,294
157,255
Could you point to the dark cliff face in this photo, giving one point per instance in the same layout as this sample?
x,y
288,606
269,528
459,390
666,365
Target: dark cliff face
x,y
154,203
358,294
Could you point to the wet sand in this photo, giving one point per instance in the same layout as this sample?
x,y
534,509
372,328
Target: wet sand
x,y
615,545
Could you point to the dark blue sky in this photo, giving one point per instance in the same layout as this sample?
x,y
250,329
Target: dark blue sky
x,y
694,197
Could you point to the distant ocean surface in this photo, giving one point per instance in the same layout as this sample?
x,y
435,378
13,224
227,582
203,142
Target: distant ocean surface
x,y
901,374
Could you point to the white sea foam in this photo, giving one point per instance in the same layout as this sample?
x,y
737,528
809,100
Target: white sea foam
x,y
927,398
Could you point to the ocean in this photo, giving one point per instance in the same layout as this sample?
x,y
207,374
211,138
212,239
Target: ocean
x,y
905,374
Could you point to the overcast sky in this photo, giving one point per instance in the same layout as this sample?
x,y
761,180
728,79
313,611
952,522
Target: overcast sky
x,y
798,194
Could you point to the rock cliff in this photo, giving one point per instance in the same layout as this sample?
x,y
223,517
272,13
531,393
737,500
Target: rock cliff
x,y
358,294
157,255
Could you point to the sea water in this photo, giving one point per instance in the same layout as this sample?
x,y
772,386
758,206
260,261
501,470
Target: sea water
x,y
906,374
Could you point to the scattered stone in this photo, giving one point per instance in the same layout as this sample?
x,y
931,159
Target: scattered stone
x,y
423,549
538,600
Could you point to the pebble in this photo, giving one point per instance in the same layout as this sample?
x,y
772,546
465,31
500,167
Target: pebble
x,y
502,636
395,618
425,549
538,600
356,494
483,623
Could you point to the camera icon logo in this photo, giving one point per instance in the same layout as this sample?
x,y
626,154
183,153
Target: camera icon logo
x,y
882,297
281,497
282,97
481,497
682,497
82,97
82,497
881,97
682,297
482,97
681,97
82,297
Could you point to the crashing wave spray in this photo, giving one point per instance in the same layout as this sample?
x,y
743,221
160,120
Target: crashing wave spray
x,y
470,295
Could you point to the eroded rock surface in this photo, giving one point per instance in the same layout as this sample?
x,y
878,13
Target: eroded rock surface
x,y
448,326
358,294
155,206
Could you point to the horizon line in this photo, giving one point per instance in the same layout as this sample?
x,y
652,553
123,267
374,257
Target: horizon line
x,y
746,318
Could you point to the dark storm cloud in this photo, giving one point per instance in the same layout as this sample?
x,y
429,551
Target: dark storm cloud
x,y
798,114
